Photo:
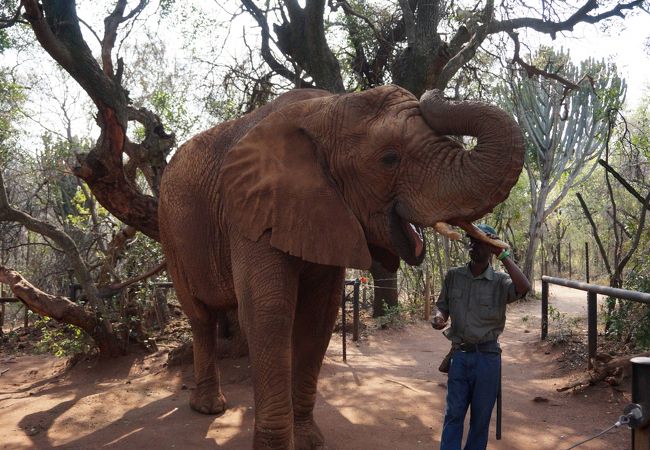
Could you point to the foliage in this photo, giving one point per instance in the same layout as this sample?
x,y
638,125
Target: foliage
x,y
565,130
398,317
629,322
61,340
562,325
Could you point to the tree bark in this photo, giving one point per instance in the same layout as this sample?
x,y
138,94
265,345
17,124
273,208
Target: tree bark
x,y
385,291
63,310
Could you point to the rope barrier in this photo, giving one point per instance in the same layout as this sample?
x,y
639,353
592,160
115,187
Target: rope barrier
x,y
622,420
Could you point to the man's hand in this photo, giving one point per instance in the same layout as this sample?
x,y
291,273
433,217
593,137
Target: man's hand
x,y
493,248
438,322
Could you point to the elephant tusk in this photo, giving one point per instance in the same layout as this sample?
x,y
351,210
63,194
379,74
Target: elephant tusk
x,y
445,229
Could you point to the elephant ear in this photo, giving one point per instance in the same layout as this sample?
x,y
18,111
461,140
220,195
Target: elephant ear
x,y
273,180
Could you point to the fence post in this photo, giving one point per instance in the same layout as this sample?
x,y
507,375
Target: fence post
x,y
355,311
641,396
26,323
2,307
592,326
343,323
570,264
427,296
544,309
364,296
587,262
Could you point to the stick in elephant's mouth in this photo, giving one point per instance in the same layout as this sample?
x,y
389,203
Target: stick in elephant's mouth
x,y
445,229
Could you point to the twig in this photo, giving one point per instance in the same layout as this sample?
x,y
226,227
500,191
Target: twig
x,y
402,384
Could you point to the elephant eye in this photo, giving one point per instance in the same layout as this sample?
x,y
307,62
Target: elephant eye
x,y
390,158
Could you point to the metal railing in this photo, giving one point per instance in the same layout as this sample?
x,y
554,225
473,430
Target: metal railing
x,y
640,366
592,308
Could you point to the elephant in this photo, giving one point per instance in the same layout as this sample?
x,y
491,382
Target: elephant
x,y
265,212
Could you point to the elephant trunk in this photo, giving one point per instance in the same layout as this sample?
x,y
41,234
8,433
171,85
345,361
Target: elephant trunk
x,y
479,179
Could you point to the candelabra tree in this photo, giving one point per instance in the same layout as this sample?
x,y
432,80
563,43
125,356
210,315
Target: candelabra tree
x,y
565,129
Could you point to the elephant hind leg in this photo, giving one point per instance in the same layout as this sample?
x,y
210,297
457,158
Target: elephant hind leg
x,y
207,397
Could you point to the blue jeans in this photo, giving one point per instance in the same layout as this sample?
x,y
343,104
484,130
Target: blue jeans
x,y
473,380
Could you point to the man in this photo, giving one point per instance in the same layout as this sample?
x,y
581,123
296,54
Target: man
x,y
474,296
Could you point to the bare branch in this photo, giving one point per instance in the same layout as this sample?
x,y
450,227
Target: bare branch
x,y
532,70
622,180
6,22
594,230
65,243
552,28
260,18
468,51
409,22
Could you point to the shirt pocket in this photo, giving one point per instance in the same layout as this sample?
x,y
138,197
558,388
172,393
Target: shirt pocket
x,y
489,308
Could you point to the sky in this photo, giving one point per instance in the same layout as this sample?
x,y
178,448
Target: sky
x,y
624,44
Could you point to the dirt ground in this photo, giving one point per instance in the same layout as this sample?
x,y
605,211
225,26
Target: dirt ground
x,y
388,395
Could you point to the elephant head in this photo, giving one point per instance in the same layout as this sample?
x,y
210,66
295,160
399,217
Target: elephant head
x,y
337,178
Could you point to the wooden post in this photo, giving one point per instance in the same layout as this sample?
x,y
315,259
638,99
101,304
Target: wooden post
x,y
586,262
26,323
355,311
427,295
364,300
592,327
544,309
343,325
2,307
570,269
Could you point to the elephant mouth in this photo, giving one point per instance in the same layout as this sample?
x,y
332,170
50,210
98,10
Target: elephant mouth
x,y
408,239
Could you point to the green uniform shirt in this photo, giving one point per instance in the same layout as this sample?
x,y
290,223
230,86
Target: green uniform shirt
x,y
476,305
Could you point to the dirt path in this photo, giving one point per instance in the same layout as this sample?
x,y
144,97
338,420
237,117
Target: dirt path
x,y
389,395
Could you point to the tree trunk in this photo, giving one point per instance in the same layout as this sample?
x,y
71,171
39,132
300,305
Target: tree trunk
x,y
534,233
63,310
385,283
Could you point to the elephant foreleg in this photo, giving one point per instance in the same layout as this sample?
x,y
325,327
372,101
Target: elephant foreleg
x,y
207,397
318,301
266,282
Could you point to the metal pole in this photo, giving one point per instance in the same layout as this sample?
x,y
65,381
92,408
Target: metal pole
x,y
641,396
544,309
343,324
355,311
499,406
592,330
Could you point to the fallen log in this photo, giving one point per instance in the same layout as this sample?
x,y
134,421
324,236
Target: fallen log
x,y
612,371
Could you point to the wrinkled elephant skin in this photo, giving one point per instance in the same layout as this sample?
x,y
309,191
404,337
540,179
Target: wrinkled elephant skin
x,y
264,213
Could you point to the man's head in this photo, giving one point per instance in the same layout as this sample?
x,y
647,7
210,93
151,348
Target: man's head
x,y
478,250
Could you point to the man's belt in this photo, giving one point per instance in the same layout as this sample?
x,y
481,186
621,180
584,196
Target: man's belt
x,y
485,347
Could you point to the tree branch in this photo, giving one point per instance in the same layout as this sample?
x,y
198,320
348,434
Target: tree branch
x,y
532,70
62,310
594,230
67,245
552,28
622,180
468,51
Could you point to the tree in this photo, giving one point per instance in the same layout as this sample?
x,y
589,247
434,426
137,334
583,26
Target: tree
x,y
410,51
565,130
403,45
626,212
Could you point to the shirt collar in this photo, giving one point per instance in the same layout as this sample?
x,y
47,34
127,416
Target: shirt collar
x,y
488,273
